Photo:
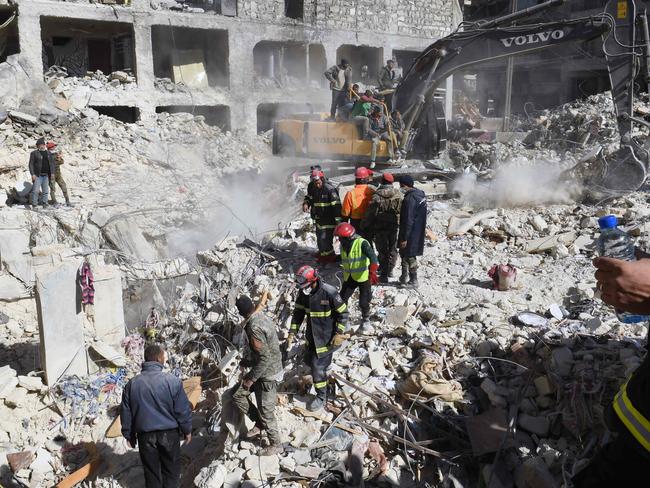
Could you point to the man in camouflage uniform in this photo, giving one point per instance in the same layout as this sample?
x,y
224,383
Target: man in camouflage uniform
x,y
58,177
382,222
264,360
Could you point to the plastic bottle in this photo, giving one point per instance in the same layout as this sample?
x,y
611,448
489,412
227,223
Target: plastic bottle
x,y
614,243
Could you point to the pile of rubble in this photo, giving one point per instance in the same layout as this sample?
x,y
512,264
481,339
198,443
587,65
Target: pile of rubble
x,y
73,87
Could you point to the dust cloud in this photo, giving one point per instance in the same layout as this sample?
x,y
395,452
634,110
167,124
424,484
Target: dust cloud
x,y
514,185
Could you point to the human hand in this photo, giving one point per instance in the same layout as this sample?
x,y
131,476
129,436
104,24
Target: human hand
x,y
33,178
402,244
133,443
337,340
187,438
374,279
247,383
625,285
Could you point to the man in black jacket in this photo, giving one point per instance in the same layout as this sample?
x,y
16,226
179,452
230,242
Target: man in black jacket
x,y
154,410
327,319
42,167
412,226
324,204
625,285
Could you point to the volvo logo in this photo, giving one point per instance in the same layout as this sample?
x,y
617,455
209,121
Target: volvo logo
x,y
329,140
533,38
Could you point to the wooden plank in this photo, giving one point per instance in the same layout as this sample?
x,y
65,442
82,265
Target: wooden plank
x,y
86,470
193,390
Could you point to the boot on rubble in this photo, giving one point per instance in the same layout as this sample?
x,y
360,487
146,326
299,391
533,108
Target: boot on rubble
x,y
405,275
319,401
413,278
253,433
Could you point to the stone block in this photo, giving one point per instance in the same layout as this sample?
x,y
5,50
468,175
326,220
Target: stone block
x,y
262,467
8,381
20,460
127,237
58,305
534,425
397,316
109,308
11,289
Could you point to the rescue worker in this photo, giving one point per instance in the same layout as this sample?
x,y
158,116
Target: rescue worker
x,y
339,76
382,222
360,267
42,169
625,285
324,203
356,201
327,319
58,177
412,226
262,355
155,411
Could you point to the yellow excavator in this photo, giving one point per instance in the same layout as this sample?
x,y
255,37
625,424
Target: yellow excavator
x,y
625,35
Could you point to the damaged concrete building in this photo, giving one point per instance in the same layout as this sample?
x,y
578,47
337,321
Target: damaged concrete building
x,y
238,63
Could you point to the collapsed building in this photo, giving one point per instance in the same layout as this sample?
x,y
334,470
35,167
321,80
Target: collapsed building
x,y
239,64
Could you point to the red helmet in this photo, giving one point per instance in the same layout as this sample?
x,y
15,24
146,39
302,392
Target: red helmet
x,y
317,174
51,145
344,230
305,276
362,172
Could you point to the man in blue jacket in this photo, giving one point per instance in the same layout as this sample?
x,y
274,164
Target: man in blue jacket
x,y
154,411
412,226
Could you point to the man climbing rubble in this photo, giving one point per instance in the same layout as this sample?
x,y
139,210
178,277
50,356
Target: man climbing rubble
x,y
262,355
382,222
327,319
154,411
339,76
356,201
324,203
412,227
360,267
58,176
42,168
625,285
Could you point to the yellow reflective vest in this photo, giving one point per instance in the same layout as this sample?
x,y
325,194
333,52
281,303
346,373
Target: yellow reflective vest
x,y
355,263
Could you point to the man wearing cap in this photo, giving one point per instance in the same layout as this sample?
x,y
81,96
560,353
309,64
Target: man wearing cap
x,y
42,168
327,319
387,81
58,177
263,359
324,203
339,76
412,226
356,201
382,222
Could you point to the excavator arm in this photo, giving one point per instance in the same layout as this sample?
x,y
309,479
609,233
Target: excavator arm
x,y
619,27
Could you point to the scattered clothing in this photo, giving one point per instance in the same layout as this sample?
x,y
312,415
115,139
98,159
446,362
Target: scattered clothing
x,y
87,284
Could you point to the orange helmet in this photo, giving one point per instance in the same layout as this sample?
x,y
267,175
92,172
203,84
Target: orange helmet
x,y
305,276
344,230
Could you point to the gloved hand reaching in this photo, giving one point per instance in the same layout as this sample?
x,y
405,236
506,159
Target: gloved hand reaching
x,y
374,279
337,340
290,338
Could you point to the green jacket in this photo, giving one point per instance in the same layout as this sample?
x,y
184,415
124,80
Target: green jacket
x,y
263,355
361,109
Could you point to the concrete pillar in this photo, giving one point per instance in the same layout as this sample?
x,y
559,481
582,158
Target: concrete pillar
x,y
143,53
449,97
31,45
243,114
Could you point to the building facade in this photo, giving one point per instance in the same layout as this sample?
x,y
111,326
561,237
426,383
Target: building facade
x,y
241,62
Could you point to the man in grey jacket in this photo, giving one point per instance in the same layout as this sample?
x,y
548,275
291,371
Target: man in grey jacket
x,y
42,167
155,410
340,77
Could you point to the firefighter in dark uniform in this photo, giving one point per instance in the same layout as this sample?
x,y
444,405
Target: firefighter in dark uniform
x,y
324,204
625,461
327,319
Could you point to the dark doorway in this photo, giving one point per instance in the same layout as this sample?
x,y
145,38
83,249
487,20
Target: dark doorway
x,y
123,113
99,55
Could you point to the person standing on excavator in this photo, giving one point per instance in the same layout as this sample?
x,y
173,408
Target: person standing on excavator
x,y
356,201
360,267
323,202
327,319
339,76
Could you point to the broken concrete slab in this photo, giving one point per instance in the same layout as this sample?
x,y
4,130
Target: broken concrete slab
x,y
544,244
22,117
535,425
62,347
109,306
461,225
376,360
107,354
20,460
262,467
397,316
126,236
31,383
12,289
8,381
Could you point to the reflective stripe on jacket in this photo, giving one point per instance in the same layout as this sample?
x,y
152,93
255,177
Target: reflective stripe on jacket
x,y
355,263
326,314
634,421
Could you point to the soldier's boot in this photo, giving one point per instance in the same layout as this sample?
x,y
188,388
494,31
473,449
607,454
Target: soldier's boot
x,y
413,278
253,433
405,274
366,326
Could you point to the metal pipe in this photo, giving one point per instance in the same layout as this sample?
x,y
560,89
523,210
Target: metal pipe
x,y
646,44
527,12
